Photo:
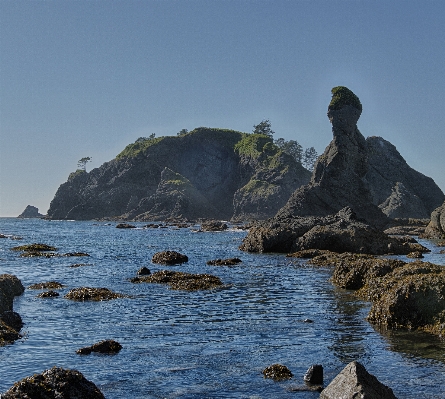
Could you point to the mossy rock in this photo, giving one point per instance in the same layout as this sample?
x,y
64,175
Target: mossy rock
x,y
342,96
181,280
169,258
50,285
35,248
277,372
93,294
108,346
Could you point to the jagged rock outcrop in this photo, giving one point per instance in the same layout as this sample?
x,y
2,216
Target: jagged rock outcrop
x,y
399,190
207,173
31,212
338,179
354,381
341,232
10,321
55,383
436,227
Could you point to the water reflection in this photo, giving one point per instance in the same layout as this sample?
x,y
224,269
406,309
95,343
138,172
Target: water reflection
x,y
348,330
413,343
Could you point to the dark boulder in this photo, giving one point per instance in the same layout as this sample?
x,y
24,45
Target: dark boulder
x,y
354,381
54,285
35,248
48,294
10,286
314,375
213,225
125,226
169,258
108,346
55,383
341,232
143,271
12,319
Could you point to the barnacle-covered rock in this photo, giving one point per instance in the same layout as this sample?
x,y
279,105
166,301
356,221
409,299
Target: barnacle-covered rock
x,y
181,280
55,383
277,372
53,285
48,294
35,247
92,294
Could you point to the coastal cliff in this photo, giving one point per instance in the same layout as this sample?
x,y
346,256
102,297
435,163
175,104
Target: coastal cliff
x,y
206,173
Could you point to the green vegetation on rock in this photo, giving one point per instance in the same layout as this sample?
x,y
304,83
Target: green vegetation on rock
x,y
253,144
260,188
138,147
342,96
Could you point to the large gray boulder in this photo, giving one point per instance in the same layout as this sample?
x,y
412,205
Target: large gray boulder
x,y
355,382
55,383
207,173
436,227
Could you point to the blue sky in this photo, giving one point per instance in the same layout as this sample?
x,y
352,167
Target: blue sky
x,y
86,78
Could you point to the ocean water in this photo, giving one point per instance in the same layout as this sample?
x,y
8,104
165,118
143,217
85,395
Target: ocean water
x,y
205,344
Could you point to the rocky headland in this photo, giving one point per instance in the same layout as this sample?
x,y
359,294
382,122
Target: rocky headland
x,y
357,186
206,173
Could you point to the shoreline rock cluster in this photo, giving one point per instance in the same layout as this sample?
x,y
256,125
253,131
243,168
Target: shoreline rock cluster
x,y
10,321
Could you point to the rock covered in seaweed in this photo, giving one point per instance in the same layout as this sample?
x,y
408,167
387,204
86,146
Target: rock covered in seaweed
x,y
169,258
55,383
181,280
92,294
277,372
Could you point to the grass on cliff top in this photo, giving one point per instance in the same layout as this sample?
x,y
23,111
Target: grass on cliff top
x,y
253,144
226,137
342,96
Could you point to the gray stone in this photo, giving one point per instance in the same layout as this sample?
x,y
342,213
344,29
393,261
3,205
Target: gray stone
x,y
355,382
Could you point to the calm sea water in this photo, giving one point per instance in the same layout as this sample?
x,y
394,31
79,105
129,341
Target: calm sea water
x,y
206,344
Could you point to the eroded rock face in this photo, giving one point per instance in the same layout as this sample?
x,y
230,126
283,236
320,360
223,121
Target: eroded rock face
x,y
354,381
338,179
399,190
55,383
436,227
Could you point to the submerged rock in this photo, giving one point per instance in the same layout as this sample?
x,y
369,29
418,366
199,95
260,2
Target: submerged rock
x,y
107,346
224,262
181,280
92,294
143,271
169,258
277,372
55,383
34,248
47,285
125,226
354,381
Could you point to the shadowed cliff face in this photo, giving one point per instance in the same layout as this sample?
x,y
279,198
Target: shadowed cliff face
x,y
338,177
192,176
